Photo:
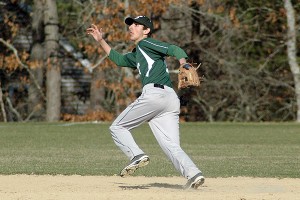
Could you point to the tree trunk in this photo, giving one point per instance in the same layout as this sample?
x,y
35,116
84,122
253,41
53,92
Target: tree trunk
x,y
53,74
292,51
35,100
97,93
2,105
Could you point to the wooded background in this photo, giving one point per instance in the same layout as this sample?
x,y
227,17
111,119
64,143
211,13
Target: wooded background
x,y
51,70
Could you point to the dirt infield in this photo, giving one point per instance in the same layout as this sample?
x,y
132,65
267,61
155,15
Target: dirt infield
x,y
25,187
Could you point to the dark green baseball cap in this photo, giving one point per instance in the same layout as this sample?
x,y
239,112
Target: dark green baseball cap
x,y
140,20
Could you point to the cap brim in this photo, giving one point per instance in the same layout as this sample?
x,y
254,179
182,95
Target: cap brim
x,y
129,21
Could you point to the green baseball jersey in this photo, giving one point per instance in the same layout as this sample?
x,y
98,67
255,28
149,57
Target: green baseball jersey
x,y
149,58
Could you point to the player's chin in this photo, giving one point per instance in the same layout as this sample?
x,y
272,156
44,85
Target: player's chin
x,y
132,37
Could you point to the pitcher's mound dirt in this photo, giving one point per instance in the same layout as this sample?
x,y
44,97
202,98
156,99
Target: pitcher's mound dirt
x,y
25,187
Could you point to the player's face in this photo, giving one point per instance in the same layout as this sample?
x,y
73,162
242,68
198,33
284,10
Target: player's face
x,y
136,32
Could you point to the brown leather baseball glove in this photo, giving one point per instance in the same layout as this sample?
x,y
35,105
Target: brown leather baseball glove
x,y
188,76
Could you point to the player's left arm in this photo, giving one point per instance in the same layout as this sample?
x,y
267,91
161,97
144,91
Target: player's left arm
x,y
182,61
165,49
178,53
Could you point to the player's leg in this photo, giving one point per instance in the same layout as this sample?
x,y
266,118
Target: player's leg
x,y
130,118
146,107
165,128
167,135
120,131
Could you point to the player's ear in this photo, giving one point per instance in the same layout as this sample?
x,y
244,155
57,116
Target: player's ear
x,y
146,31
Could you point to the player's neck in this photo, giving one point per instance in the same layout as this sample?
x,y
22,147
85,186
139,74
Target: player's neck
x,y
140,39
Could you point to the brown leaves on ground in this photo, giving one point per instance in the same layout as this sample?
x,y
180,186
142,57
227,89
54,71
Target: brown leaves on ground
x,y
90,116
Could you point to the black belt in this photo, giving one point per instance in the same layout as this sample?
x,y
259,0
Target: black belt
x,y
159,86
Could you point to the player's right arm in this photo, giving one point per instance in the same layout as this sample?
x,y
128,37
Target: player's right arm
x,y
126,60
98,36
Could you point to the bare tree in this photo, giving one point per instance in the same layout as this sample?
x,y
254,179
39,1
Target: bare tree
x,y
53,74
292,51
2,105
35,100
243,80
248,60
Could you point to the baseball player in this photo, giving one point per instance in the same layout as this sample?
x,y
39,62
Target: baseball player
x,y
158,104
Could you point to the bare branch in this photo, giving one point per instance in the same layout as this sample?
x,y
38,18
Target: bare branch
x,y
13,109
292,50
272,55
35,109
11,47
2,105
91,68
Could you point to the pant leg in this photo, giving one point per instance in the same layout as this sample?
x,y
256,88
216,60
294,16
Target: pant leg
x,y
165,128
143,109
120,130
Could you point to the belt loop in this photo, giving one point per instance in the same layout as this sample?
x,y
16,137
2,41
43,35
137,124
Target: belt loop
x,y
159,86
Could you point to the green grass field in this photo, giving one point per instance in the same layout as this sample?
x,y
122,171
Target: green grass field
x,y
218,149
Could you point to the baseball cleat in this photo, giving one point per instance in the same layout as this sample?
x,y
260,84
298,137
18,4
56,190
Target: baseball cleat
x,y
137,162
195,182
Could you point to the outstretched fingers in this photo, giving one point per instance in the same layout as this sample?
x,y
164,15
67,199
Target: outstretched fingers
x,y
95,32
91,29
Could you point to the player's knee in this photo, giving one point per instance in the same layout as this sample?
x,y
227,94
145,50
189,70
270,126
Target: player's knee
x,y
114,129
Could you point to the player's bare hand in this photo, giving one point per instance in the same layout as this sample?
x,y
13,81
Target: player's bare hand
x,y
95,32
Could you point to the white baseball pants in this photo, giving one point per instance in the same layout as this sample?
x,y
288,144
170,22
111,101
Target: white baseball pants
x,y
160,107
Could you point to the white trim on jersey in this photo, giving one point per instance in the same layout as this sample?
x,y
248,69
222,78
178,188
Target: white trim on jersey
x,y
149,61
155,44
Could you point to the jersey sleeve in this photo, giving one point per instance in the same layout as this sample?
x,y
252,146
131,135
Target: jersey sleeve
x,y
163,48
177,52
126,60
